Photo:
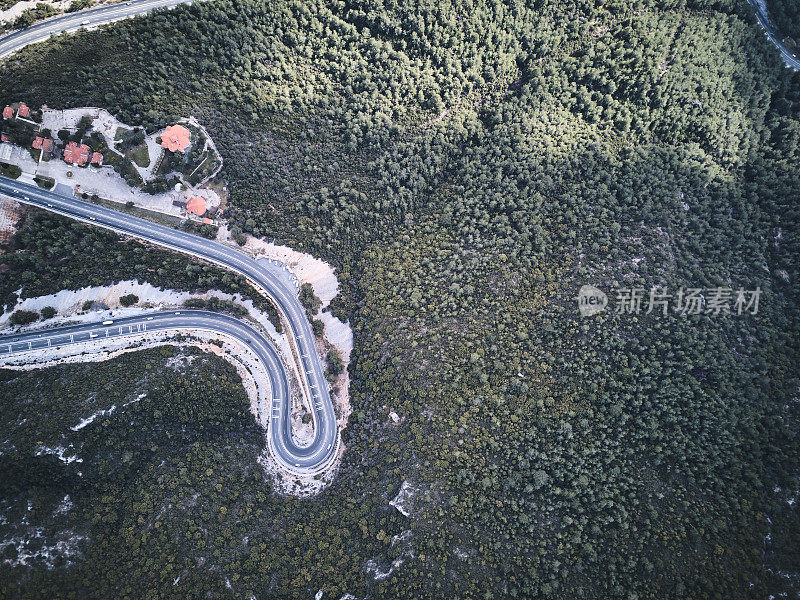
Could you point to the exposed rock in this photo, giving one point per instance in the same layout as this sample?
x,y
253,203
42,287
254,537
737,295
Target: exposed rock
x,y
381,570
404,501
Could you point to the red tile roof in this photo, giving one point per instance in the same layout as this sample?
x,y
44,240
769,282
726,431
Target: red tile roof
x,y
175,138
207,221
75,154
3,137
8,112
37,143
97,158
197,206
23,110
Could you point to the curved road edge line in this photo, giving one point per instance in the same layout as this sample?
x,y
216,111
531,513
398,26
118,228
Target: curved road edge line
x,y
309,365
172,328
72,22
317,410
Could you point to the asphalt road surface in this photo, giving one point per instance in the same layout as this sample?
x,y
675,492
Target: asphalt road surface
x,y
294,457
788,57
73,21
312,458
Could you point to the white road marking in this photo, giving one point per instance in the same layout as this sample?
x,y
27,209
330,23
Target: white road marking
x,y
224,257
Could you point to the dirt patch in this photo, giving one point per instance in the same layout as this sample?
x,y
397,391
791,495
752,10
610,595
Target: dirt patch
x,y
10,214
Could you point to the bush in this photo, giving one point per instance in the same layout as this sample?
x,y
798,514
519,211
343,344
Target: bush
x,y
128,299
208,231
238,236
23,317
318,327
309,299
335,363
130,139
48,312
44,182
217,305
30,16
125,168
11,171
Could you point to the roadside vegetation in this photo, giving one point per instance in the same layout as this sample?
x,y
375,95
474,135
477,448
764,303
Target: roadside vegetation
x,y
41,11
29,16
786,16
128,300
12,171
50,253
217,305
77,5
23,317
467,167
47,183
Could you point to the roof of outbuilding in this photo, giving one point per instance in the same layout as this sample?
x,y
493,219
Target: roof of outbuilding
x,y
175,138
196,205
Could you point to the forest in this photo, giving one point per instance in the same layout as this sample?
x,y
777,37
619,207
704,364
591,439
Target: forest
x,y
786,15
466,165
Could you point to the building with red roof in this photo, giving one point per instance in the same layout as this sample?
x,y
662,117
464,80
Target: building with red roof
x,y
3,137
23,110
8,112
97,158
75,154
175,138
197,206
44,143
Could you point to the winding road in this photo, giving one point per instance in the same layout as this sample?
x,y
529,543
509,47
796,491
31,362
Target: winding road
x,y
310,459
788,57
296,458
73,21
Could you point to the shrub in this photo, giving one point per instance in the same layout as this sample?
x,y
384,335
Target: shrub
x,y
335,363
318,327
128,299
23,317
